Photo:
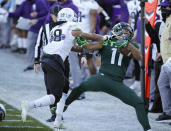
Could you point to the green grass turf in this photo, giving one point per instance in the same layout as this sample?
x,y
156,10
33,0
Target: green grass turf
x,y
16,124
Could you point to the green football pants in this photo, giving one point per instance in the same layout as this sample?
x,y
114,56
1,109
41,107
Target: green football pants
x,y
105,84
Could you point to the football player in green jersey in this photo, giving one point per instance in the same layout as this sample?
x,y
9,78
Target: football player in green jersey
x,y
116,52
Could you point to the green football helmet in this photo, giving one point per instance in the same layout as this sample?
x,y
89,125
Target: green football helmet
x,y
121,28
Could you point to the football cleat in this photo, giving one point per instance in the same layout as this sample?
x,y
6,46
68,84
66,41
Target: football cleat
x,y
52,119
24,110
58,122
2,112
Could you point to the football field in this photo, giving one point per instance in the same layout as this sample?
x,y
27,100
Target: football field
x,y
98,112
13,121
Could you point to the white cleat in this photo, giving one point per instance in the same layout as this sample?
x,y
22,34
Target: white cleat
x,y
58,124
24,110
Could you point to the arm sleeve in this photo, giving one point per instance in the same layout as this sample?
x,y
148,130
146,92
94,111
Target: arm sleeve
x,y
48,18
18,12
153,35
42,19
38,46
42,8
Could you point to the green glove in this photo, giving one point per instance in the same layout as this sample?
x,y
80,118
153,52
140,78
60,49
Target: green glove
x,y
80,40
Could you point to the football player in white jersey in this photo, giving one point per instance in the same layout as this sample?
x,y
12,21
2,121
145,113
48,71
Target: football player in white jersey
x,y
87,22
54,54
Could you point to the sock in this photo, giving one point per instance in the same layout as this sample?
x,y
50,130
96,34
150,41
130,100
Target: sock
x,y
20,42
24,43
60,105
43,101
14,39
149,130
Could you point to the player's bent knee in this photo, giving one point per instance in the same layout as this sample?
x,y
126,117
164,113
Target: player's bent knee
x,y
80,88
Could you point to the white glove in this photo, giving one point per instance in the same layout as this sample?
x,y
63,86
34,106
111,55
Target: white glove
x,y
106,37
83,61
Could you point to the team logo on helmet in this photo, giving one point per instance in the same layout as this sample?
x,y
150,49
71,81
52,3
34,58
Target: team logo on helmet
x,y
66,14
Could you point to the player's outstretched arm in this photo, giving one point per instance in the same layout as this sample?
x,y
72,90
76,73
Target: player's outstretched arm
x,y
81,41
134,52
96,46
87,36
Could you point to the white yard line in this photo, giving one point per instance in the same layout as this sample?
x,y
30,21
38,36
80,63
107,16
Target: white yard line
x,y
10,109
13,115
15,121
21,127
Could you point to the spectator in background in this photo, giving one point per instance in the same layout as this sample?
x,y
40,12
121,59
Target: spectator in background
x,y
39,9
87,21
107,5
164,81
137,33
21,19
155,40
15,37
5,28
104,22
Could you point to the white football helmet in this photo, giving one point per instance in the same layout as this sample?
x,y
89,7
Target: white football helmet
x,y
2,112
67,14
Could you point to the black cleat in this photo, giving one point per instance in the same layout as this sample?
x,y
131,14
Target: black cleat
x,y
28,68
163,117
52,119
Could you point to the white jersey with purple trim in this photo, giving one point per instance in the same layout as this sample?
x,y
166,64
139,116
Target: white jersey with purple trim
x,y
60,41
84,7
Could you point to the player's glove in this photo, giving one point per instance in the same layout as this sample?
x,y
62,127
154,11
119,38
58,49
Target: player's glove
x,y
80,40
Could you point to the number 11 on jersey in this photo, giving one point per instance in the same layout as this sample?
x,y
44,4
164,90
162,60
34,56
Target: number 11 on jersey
x,y
114,50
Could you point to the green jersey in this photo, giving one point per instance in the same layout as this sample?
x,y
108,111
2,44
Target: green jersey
x,y
113,63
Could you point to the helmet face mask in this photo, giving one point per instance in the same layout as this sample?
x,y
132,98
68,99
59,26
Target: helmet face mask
x,y
123,30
